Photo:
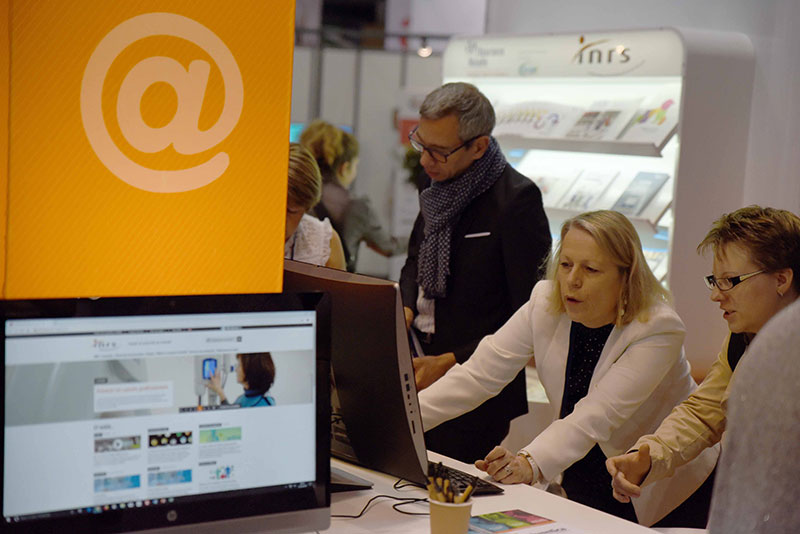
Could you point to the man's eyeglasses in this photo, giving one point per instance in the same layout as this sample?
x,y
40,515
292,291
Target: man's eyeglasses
x,y
725,284
439,156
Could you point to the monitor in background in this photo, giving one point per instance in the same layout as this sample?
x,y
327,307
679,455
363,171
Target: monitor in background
x,y
109,426
296,128
372,372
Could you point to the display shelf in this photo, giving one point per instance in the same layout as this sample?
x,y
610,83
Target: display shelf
x,y
685,95
511,142
652,235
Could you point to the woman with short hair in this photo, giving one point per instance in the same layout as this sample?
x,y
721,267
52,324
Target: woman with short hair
x,y
608,349
756,253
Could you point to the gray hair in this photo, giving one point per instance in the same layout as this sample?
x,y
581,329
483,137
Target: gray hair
x,y
474,111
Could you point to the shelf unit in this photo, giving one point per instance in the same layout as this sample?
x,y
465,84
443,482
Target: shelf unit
x,y
707,75
625,148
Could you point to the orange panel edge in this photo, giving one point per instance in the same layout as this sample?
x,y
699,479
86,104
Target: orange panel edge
x,y
5,62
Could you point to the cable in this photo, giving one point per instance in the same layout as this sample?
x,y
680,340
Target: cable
x,y
403,501
408,484
410,501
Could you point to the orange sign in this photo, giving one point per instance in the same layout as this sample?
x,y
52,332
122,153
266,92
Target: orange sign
x,y
147,148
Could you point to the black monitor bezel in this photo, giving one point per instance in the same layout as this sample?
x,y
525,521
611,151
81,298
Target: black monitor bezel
x,y
217,507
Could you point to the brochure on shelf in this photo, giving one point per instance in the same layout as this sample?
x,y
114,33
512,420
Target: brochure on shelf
x,y
535,119
553,186
657,211
640,192
517,522
655,122
604,120
614,190
553,181
587,190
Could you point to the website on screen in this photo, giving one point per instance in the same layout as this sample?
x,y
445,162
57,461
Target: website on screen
x,y
110,412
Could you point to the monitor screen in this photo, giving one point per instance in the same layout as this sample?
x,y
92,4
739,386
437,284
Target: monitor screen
x,y
127,414
296,128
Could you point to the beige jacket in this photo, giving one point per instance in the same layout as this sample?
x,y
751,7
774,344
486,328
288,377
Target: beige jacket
x,y
694,425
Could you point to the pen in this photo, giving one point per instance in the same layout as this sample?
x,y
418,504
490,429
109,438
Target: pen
x,y
464,495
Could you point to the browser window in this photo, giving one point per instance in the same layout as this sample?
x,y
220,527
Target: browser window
x,y
107,413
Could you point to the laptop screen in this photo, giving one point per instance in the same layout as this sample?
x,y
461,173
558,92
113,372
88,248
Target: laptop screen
x,y
154,413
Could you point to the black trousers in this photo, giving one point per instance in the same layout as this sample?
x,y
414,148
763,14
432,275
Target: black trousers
x,y
587,481
693,512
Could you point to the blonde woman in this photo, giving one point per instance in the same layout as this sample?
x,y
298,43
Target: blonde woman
x,y
608,349
336,152
308,239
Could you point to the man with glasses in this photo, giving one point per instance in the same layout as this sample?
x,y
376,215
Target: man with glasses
x,y
474,256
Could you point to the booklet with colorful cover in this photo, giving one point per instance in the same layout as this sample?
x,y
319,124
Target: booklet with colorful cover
x,y
517,522
604,120
655,122
535,119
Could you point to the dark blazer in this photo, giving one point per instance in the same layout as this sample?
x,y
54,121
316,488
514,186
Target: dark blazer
x,y
499,245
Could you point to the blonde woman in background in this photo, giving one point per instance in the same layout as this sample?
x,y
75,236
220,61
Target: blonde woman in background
x,y
608,348
307,238
336,152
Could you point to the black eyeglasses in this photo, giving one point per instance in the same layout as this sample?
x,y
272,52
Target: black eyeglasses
x,y
441,157
725,284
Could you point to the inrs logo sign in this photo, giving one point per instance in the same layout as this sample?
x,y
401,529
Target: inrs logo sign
x,y
159,94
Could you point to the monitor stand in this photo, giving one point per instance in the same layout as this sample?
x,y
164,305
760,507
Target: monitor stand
x,y
343,481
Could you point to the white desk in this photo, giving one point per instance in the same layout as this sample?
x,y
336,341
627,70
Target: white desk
x,y
380,518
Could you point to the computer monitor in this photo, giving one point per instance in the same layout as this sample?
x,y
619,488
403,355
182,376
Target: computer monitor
x,y
109,426
296,128
372,371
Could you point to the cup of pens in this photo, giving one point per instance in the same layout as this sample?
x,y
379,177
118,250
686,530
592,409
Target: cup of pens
x,y
450,508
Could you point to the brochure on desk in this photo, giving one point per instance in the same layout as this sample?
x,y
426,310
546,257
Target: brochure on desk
x,y
517,522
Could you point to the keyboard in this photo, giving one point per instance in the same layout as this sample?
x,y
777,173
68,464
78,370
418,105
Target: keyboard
x,y
460,480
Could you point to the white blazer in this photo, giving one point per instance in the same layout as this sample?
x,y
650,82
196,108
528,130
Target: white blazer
x,y
641,375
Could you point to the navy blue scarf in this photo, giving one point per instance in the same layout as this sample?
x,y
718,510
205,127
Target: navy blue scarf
x,y
441,205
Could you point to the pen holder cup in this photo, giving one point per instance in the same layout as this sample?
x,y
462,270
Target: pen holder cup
x,y
450,518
